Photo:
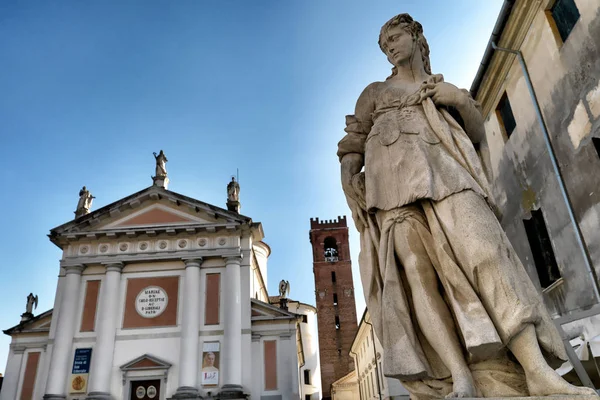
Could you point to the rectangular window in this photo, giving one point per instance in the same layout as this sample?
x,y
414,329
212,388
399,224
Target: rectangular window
x,y
335,299
333,276
307,397
372,381
304,319
337,322
30,374
505,115
564,14
541,247
211,305
270,364
596,142
381,376
307,376
90,304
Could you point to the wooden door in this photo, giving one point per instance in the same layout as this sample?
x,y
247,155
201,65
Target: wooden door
x,y
145,390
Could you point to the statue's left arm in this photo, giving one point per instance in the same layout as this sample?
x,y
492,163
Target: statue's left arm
x,y
470,113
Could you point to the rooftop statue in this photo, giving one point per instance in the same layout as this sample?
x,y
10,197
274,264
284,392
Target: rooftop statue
x,y
446,291
284,288
85,202
161,164
31,302
233,190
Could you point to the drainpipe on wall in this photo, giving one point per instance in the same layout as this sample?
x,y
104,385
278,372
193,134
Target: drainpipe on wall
x,y
561,183
375,355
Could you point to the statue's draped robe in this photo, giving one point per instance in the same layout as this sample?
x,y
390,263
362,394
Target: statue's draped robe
x,y
416,158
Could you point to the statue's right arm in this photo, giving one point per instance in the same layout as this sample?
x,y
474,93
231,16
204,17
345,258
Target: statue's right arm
x,y
351,148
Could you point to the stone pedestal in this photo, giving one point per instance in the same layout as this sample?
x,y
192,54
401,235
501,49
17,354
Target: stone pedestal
x,y
161,181
186,393
234,392
26,316
553,397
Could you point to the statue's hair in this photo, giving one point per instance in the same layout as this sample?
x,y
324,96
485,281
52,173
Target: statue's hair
x,y
416,31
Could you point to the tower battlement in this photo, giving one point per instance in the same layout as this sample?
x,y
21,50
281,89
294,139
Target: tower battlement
x,y
340,222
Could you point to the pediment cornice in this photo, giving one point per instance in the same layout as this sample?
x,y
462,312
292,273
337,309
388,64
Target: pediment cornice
x,y
121,219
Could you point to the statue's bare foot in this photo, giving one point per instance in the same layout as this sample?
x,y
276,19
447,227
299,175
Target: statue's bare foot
x,y
544,381
463,386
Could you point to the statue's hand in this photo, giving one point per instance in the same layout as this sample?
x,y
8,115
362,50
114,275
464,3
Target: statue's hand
x,y
444,93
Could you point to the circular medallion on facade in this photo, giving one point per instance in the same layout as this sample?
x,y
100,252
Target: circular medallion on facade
x,y
123,246
151,392
151,302
162,245
202,242
103,248
182,244
222,241
143,246
84,249
140,392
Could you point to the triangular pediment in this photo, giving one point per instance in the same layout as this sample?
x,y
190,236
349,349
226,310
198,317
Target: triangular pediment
x,y
38,324
144,362
262,311
158,214
153,209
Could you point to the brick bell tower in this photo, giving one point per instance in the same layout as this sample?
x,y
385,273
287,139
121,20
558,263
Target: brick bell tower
x,y
334,292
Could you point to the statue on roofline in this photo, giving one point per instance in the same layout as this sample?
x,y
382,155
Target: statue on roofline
x,y
85,202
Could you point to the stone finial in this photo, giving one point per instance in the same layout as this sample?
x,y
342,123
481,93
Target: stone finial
x,y
160,178
85,202
233,195
32,302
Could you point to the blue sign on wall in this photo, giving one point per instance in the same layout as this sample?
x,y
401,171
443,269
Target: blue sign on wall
x,y
81,363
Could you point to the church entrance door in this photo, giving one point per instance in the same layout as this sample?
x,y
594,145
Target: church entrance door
x,y
145,390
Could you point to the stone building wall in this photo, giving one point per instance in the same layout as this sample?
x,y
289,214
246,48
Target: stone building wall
x,y
565,77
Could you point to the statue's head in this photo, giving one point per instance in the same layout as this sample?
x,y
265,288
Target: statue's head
x,y
401,38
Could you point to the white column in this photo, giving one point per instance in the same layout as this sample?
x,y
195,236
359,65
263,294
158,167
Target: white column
x,y
63,342
10,385
231,364
190,325
106,326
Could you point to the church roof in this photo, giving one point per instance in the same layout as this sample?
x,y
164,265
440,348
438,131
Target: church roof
x,y
33,325
151,211
262,311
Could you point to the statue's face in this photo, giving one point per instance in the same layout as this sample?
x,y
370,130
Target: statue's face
x,y
398,45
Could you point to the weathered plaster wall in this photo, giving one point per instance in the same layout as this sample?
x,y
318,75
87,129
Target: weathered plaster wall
x,y
565,77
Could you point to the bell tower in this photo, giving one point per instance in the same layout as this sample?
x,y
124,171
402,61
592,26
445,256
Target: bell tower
x,y
334,292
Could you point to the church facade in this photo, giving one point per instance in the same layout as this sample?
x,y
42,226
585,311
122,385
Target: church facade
x,y
160,296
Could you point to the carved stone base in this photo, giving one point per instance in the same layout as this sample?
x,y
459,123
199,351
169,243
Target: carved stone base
x,y
54,397
26,316
186,393
98,396
553,397
161,181
234,392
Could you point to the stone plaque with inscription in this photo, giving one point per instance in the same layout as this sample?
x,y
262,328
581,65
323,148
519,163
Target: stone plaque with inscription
x,y
151,301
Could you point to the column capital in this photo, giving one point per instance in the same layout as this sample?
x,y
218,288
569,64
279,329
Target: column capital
x,y
116,266
233,260
192,262
74,269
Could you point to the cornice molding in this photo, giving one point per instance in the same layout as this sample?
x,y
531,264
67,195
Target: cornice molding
x,y
513,36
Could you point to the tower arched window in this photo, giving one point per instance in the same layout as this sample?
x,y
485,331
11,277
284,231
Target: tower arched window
x,y
330,249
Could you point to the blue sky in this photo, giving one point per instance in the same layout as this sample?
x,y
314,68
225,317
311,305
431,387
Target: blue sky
x,y
88,90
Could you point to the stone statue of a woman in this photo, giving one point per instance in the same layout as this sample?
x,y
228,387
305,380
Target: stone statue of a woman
x,y
446,291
